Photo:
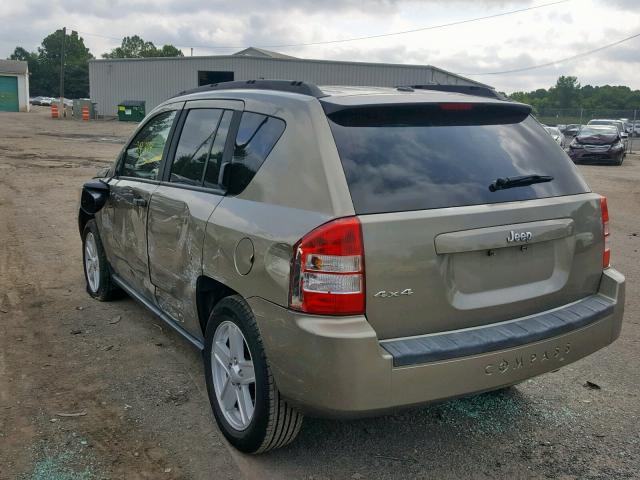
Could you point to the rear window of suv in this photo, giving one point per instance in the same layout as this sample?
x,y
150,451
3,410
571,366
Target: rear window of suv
x,y
400,158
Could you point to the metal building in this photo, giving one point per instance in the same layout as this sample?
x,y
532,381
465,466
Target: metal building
x,y
156,79
14,86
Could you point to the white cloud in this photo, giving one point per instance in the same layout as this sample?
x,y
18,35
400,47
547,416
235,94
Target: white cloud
x,y
502,43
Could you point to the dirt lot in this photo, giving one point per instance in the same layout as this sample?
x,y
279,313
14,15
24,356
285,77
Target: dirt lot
x,y
93,390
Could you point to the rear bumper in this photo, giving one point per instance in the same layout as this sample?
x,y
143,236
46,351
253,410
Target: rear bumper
x,y
337,367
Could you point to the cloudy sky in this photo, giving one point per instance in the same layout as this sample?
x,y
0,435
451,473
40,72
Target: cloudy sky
x,y
508,42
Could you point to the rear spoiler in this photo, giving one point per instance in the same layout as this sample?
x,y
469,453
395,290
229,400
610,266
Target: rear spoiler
x,y
476,90
426,114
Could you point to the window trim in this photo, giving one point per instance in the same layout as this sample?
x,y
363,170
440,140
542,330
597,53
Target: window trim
x,y
166,173
195,188
177,107
229,147
231,135
233,132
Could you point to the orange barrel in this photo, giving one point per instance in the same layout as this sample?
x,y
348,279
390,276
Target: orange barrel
x,y
85,113
54,110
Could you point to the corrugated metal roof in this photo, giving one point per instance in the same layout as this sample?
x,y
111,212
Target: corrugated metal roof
x,y
261,52
14,66
287,59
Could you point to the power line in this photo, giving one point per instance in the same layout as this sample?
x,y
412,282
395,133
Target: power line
x,y
367,37
562,60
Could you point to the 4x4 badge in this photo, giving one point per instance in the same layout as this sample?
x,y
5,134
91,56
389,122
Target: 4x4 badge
x,y
389,294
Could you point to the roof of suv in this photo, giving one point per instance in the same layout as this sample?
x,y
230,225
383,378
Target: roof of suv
x,y
340,95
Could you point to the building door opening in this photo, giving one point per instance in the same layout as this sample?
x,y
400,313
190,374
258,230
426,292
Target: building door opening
x,y
207,77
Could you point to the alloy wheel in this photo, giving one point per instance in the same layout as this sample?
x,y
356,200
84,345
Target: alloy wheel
x,y
92,262
234,378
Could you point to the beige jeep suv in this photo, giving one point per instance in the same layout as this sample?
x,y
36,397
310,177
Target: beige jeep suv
x,y
348,251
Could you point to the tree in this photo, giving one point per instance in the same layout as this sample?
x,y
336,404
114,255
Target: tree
x,y
44,65
136,47
566,92
76,66
21,54
569,94
171,51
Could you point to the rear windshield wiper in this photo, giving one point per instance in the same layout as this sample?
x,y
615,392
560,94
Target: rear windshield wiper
x,y
523,181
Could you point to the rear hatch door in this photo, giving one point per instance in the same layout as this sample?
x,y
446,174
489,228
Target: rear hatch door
x,y
443,251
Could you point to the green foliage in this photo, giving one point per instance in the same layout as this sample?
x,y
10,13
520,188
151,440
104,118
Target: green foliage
x,y
136,47
569,94
44,65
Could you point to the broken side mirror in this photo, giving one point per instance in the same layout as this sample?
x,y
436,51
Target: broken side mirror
x,y
94,195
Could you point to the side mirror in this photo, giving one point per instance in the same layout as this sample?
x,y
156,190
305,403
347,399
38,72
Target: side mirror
x,y
94,195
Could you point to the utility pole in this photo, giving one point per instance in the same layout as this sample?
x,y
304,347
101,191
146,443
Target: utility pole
x,y
192,51
633,131
64,37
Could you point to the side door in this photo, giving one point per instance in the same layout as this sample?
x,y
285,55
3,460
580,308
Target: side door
x,y
182,204
137,176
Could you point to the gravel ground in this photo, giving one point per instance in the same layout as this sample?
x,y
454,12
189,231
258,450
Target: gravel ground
x,y
92,390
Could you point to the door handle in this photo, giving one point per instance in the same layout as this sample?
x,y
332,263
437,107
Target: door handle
x,y
139,202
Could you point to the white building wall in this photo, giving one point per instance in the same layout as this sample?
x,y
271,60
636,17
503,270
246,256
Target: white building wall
x,y
23,93
154,80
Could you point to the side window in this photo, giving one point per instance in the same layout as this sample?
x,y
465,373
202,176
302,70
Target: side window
x,y
194,145
144,154
257,135
217,150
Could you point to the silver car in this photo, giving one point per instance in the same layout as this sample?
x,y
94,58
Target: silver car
x,y
341,252
557,135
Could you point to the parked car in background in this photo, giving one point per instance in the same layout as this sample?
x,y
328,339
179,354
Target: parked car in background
x,y
597,144
571,130
37,100
56,100
556,134
636,128
349,251
626,124
619,124
47,101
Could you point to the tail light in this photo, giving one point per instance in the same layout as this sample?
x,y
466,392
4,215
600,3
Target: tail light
x,y
327,274
606,253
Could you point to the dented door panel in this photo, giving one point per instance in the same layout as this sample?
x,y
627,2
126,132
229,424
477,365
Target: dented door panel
x,y
177,221
129,200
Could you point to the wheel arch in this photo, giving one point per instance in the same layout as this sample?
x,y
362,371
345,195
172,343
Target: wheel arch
x,y
83,218
208,293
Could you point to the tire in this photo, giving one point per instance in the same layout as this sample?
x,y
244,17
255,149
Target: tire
x,y
100,286
273,422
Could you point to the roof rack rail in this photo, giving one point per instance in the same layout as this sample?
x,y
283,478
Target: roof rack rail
x,y
466,89
293,86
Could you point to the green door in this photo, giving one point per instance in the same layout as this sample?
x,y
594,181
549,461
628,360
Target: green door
x,y
9,94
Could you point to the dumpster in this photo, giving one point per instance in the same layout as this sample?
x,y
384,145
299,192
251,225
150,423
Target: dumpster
x,y
131,110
